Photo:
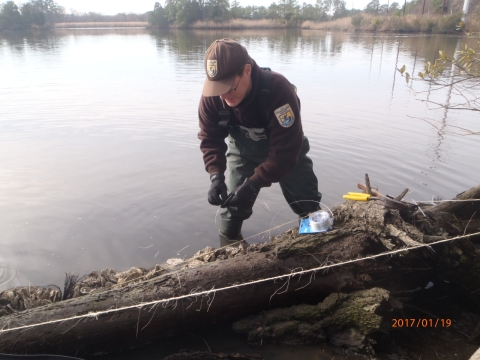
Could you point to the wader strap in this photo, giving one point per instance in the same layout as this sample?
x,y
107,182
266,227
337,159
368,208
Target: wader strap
x,y
254,134
225,116
264,94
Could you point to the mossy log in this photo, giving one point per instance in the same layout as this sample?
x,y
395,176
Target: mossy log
x,y
345,319
361,229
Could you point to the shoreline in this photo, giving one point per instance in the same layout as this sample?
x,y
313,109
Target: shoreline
x,y
360,23
100,25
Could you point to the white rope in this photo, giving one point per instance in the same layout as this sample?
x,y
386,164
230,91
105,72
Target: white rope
x,y
206,292
437,201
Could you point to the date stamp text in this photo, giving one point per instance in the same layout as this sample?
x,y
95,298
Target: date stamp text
x,y
421,323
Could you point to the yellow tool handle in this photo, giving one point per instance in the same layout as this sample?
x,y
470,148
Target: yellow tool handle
x,y
358,194
356,198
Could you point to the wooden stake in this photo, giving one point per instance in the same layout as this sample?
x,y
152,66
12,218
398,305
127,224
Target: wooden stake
x,y
400,197
367,183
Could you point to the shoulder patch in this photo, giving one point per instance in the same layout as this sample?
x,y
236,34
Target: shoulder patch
x,y
285,115
212,68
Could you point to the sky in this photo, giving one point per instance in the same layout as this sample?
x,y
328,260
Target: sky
x,y
112,7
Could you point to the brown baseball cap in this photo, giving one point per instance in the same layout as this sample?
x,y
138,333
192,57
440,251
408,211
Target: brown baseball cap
x,y
223,59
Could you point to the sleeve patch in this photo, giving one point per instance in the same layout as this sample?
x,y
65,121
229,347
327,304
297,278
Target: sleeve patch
x,y
285,115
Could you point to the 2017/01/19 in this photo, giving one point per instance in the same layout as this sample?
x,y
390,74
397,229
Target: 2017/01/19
x,y
432,323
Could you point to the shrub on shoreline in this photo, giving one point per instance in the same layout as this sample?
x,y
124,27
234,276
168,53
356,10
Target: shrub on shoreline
x,y
410,23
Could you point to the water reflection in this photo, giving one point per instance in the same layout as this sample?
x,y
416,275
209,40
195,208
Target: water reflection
x,y
41,41
7,275
184,43
395,70
285,41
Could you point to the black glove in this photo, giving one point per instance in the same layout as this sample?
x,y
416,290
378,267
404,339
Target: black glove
x,y
245,195
217,194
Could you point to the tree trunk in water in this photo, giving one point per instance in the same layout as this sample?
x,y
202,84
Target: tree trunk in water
x,y
361,229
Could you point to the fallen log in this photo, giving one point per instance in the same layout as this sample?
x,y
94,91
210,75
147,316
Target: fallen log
x,y
225,284
201,355
345,319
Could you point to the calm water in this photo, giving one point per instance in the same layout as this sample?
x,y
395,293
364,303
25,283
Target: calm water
x,y
99,159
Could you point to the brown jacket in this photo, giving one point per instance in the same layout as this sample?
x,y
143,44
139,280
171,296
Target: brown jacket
x,y
285,140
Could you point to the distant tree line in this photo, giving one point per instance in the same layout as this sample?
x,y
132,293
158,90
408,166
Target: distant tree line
x,y
186,12
419,7
374,7
40,13
34,12
97,17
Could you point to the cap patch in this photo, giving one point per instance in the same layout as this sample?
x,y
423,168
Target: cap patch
x,y
212,68
285,116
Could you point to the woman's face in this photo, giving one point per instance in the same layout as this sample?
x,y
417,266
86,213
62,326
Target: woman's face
x,y
240,89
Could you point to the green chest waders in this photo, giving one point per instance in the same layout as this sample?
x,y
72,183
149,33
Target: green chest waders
x,y
247,149
243,155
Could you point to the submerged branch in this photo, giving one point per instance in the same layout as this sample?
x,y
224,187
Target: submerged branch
x,y
429,121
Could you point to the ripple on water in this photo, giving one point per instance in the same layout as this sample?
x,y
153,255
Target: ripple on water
x,y
7,274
